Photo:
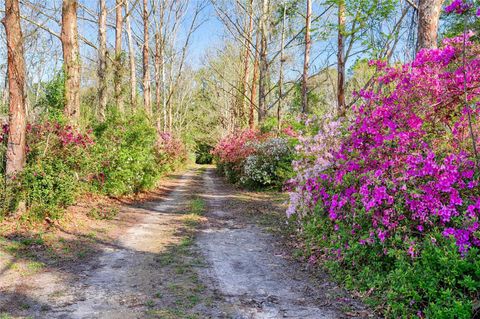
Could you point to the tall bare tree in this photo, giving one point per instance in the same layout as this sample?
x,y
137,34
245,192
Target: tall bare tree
x,y
428,17
306,58
118,77
16,149
102,60
282,64
158,76
262,85
146,65
341,59
71,59
131,56
253,94
246,62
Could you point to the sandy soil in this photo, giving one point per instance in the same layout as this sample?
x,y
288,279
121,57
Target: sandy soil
x,y
195,253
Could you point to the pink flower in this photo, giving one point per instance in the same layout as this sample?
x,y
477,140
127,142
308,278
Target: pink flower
x,y
458,7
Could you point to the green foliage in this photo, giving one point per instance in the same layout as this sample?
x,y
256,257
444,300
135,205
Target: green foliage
x,y
53,100
197,206
10,196
203,154
437,283
126,155
50,185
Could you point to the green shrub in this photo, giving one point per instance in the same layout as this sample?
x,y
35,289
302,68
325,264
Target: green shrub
x,y
203,154
50,185
53,100
126,155
437,283
58,164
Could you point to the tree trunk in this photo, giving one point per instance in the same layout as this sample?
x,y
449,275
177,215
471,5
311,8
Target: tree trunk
x,y
246,68
71,60
164,91
102,61
158,84
131,56
341,60
253,96
118,77
16,148
146,64
282,62
428,16
306,60
263,63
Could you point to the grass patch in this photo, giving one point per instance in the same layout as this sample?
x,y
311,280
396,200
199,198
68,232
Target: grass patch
x,y
197,206
183,289
103,213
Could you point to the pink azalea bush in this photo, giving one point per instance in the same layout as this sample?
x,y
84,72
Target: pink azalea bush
x,y
458,7
409,145
235,147
403,172
255,159
232,150
170,150
121,155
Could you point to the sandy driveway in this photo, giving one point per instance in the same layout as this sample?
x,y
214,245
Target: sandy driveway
x,y
175,264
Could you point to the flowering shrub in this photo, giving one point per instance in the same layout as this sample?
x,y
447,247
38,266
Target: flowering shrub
x,y
254,159
402,180
231,152
57,164
129,156
119,156
458,7
269,165
171,152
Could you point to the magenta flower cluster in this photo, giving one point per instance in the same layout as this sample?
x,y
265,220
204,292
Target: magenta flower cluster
x,y
406,166
458,7
66,135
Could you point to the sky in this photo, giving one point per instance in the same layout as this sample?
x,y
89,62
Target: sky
x,y
46,58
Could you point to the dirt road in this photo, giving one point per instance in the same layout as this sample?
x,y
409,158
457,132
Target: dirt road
x,y
194,254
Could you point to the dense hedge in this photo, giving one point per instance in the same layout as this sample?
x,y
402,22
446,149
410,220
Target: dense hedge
x,y
119,156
